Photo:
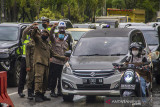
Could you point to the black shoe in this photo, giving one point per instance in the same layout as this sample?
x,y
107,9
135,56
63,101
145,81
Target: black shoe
x,y
59,94
45,98
48,89
21,95
53,94
30,98
33,95
38,97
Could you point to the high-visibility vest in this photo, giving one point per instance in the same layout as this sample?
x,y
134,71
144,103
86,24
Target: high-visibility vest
x,y
24,44
48,28
23,47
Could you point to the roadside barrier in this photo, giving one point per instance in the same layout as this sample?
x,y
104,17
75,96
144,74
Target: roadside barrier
x,y
5,100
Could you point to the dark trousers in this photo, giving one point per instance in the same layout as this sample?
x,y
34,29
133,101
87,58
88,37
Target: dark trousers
x,y
22,78
55,74
49,76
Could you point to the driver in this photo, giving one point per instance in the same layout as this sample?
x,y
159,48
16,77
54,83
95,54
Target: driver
x,y
137,56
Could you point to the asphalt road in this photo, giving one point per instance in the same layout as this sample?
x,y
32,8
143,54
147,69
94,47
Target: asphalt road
x,y
79,101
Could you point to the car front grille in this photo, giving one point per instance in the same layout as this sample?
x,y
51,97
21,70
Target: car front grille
x,y
93,87
92,73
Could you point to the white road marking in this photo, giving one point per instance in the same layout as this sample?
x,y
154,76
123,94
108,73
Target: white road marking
x,y
16,92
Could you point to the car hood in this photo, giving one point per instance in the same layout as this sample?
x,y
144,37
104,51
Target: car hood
x,y
7,44
94,62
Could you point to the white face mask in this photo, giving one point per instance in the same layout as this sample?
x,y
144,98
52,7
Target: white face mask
x,y
135,53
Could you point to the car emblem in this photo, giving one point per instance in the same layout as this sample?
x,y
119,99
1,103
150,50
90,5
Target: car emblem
x,y
93,74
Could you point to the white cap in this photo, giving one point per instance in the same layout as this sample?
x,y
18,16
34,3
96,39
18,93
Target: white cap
x,y
61,24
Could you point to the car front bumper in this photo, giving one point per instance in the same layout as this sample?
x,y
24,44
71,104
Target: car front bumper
x,y
110,86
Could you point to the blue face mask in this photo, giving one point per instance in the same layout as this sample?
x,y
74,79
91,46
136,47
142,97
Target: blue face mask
x,y
61,36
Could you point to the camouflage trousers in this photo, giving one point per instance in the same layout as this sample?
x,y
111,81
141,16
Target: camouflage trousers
x,y
30,79
41,77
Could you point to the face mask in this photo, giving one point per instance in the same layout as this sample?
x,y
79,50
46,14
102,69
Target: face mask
x,y
44,37
61,36
135,53
44,25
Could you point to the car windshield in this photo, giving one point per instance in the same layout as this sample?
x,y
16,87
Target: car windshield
x,y
102,46
151,37
77,34
8,33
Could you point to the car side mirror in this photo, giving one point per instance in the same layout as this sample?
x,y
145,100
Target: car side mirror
x,y
68,53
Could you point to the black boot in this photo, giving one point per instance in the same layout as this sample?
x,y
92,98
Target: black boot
x,y
53,94
21,93
45,98
32,91
38,97
30,97
59,93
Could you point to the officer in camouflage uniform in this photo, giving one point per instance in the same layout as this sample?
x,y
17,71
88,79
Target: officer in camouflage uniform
x,y
42,54
22,79
45,24
29,60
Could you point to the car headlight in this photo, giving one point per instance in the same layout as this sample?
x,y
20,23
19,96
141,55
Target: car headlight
x,y
128,76
4,51
67,69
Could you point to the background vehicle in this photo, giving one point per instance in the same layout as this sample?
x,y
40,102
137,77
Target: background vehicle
x,y
77,32
86,25
158,16
120,19
67,21
123,25
134,15
113,23
89,70
10,51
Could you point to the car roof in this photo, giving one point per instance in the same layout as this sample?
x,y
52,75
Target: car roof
x,y
11,24
108,32
79,29
151,23
143,27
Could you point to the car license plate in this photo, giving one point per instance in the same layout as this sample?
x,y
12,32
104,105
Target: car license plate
x,y
128,86
92,80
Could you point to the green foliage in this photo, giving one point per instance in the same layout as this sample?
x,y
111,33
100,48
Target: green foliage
x,y
75,10
119,4
47,13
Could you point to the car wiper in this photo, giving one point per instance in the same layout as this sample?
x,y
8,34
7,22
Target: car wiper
x,y
94,55
118,54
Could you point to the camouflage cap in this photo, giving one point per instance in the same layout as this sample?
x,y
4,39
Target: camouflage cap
x,y
45,31
45,19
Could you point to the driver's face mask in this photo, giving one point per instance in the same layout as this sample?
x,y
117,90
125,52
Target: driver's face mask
x,y
135,52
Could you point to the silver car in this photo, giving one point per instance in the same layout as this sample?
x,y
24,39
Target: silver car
x,y
89,70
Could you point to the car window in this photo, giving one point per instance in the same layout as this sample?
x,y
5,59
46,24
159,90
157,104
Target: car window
x,y
8,33
138,37
151,37
68,25
81,26
102,46
77,34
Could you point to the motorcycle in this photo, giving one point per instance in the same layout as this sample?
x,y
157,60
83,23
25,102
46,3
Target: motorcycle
x,y
130,85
